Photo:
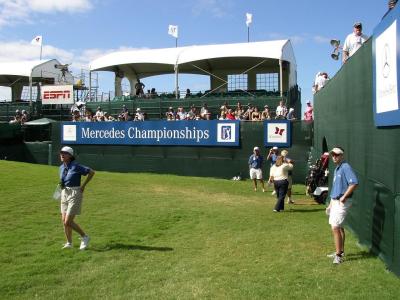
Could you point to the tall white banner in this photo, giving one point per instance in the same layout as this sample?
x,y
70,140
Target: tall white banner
x,y
57,94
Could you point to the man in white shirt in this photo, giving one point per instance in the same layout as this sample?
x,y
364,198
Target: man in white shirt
x,y
353,41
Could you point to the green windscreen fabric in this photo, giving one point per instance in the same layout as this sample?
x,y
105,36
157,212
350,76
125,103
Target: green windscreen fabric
x,y
344,116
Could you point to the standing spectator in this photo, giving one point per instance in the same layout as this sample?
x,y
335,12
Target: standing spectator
x,y
281,110
315,84
308,114
255,166
343,186
188,93
265,115
71,194
321,81
139,86
353,41
272,155
278,175
286,159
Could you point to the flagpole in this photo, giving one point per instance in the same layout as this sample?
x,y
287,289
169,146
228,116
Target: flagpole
x,y
40,51
248,34
176,43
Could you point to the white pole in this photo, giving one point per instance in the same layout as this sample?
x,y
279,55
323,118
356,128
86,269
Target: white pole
x,y
90,85
176,82
280,77
30,90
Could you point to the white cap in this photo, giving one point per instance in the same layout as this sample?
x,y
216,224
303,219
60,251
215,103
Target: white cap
x,y
275,148
337,151
256,149
68,150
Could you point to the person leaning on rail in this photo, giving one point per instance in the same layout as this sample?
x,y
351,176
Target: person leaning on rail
x,y
353,41
72,195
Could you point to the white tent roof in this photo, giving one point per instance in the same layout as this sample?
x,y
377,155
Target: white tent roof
x,y
150,62
10,71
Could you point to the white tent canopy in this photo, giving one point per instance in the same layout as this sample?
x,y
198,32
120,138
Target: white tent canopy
x,y
23,70
196,59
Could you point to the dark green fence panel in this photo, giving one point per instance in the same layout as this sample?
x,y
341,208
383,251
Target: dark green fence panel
x,y
344,116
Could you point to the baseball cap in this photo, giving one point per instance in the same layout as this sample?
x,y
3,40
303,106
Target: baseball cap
x,y
357,25
256,149
68,150
275,148
337,150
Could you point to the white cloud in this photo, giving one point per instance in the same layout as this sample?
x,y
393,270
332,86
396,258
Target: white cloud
x,y
216,8
25,11
321,39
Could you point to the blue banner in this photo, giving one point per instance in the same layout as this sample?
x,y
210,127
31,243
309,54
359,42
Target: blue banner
x,y
157,133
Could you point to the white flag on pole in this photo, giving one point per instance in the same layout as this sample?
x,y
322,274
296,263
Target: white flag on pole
x,y
249,19
173,30
37,40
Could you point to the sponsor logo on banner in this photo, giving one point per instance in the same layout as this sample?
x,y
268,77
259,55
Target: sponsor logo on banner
x,y
226,133
277,133
57,94
69,133
182,133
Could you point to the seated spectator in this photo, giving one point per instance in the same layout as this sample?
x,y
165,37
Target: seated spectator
x,y
248,112
181,114
265,115
315,84
17,118
139,115
122,114
88,116
24,116
222,116
99,114
224,107
188,93
308,114
230,115
256,115
239,111
191,115
290,115
204,112
76,115
170,114
148,94
281,110
108,117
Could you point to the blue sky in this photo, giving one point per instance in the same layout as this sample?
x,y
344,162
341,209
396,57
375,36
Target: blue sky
x,y
79,31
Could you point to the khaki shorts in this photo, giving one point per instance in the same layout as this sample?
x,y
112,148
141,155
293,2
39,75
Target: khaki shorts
x,y
338,212
256,173
71,201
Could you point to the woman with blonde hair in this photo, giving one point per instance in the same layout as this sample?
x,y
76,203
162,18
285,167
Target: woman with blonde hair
x,y
278,175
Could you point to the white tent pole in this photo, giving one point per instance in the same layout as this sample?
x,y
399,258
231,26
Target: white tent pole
x,y
176,82
280,78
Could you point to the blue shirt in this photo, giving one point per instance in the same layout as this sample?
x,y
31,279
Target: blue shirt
x,y
255,161
273,158
343,177
70,175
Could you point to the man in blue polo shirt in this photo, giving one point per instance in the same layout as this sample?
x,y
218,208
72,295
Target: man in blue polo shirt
x,y
343,186
255,166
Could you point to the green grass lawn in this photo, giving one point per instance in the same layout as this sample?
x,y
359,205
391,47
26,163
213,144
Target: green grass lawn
x,y
171,237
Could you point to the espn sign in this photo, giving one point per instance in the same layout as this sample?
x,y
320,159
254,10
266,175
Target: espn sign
x,y
57,94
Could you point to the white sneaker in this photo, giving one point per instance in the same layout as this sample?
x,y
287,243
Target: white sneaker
x,y
337,260
273,193
67,246
333,254
85,242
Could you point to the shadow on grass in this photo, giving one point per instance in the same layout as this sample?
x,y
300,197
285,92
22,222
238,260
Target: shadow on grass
x,y
360,255
129,247
297,210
